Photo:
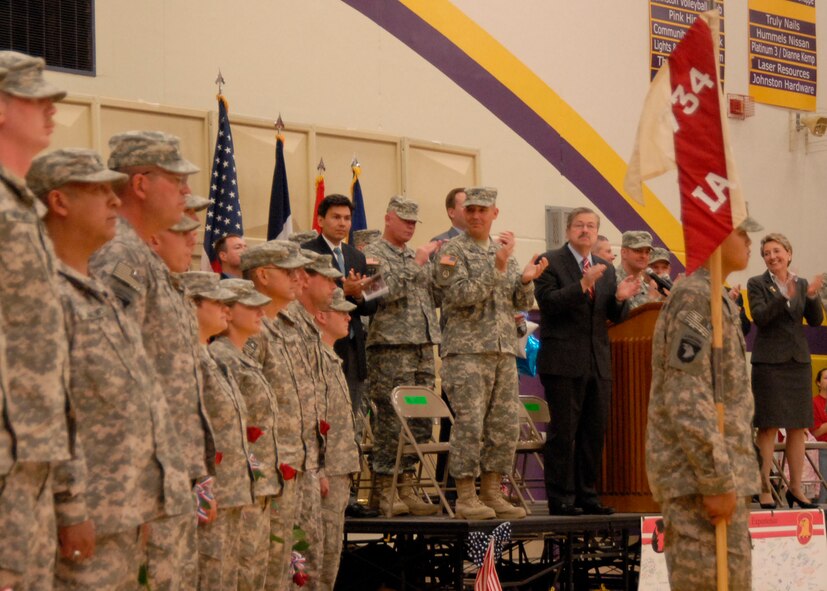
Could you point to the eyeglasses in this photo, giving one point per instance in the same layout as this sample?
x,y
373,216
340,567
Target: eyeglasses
x,y
288,272
581,226
179,180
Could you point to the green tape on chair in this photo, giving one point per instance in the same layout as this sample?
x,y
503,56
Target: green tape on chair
x,y
532,406
420,400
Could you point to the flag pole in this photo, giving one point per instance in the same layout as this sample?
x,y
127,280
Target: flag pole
x,y
716,307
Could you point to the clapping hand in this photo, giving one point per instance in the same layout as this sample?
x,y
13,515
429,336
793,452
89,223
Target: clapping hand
x,y
534,268
626,288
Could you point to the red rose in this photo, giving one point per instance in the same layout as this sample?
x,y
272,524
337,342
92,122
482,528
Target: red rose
x,y
288,472
253,433
218,457
324,427
300,578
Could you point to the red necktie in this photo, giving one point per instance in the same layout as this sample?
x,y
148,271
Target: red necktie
x,y
586,266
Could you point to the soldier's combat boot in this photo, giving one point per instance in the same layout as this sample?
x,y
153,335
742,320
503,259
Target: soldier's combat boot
x,y
491,495
388,502
468,503
412,500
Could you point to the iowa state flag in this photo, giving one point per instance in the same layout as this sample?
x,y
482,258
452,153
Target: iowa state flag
x,y
224,211
280,223
683,125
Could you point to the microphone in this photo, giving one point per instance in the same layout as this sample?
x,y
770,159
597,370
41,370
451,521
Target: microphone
x,y
663,283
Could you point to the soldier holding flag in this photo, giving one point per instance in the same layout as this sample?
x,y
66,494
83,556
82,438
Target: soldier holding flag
x,y
699,455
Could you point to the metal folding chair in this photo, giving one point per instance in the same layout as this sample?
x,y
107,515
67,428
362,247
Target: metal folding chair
x,y
418,402
533,411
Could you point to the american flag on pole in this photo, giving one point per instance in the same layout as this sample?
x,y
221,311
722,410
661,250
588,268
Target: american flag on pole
x,y
487,579
224,212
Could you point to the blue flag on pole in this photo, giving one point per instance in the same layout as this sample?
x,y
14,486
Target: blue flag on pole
x,y
280,223
224,212
359,221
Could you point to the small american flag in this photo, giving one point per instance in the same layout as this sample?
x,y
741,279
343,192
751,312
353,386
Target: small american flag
x,y
487,579
224,212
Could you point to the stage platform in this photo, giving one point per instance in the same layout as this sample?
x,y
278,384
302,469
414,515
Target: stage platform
x,y
426,553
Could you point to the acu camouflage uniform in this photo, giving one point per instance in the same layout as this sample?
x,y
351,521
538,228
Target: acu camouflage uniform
x,y
37,377
130,459
142,281
479,348
305,341
274,349
262,412
705,462
341,460
219,542
642,296
400,347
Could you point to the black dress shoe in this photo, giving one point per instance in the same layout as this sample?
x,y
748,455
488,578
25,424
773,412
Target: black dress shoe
x,y
794,500
360,511
564,509
596,509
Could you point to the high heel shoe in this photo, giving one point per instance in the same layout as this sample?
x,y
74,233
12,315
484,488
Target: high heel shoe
x,y
794,500
772,505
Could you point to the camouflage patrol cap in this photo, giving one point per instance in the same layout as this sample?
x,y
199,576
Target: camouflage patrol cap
x,y
339,303
69,165
636,239
365,237
659,254
246,292
404,208
24,77
205,285
275,252
302,237
148,148
323,265
296,250
195,202
185,224
482,196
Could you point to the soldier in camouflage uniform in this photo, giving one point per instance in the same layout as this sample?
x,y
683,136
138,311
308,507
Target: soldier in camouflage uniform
x,y
341,452
244,321
635,250
482,288
302,237
316,286
37,377
709,476
152,201
272,267
219,541
400,350
363,238
130,462
176,245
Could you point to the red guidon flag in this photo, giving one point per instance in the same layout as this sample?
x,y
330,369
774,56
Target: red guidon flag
x,y
683,125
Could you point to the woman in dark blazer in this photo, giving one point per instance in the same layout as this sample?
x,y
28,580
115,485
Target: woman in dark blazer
x,y
781,369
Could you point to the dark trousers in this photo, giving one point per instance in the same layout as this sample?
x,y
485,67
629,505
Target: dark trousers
x,y
574,442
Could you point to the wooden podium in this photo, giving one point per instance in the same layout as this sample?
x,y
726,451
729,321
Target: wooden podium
x,y
624,483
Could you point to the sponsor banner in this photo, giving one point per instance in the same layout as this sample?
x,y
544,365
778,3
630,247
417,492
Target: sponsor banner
x,y
782,53
669,20
789,551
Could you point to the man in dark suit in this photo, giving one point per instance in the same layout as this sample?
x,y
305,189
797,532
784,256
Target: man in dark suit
x,y
454,202
576,294
335,212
